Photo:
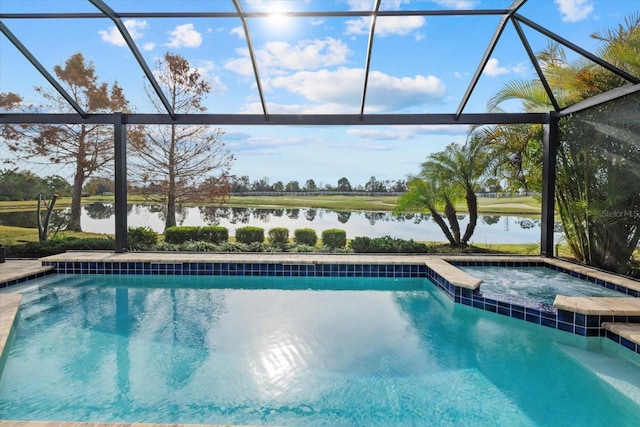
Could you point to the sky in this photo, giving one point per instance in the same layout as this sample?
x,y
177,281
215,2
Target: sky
x,y
419,64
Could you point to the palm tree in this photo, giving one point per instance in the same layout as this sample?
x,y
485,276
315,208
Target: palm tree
x,y
598,155
446,177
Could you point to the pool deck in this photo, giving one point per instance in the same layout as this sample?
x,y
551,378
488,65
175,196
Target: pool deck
x,y
19,269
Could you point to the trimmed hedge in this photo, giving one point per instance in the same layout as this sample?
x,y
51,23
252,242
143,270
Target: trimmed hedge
x,y
182,234
334,238
250,235
305,236
214,234
387,244
279,237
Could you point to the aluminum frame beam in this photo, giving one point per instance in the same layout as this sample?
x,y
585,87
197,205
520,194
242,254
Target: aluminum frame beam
x,y
252,55
600,99
549,154
628,77
43,71
372,30
536,65
279,119
319,14
487,54
110,13
120,182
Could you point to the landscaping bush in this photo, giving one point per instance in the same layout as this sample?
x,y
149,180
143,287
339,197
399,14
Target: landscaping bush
x,y
387,244
250,235
213,234
167,247
302,248
181,234
305,236
198,246
57,246
279,237
141,238
334,238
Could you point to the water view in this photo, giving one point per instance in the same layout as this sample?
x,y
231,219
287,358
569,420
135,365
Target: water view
x,y
99,218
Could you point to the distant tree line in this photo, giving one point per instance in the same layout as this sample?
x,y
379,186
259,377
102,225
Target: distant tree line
x,y
243,185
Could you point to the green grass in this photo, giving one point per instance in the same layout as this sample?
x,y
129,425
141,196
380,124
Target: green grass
x,y
13,235
497,206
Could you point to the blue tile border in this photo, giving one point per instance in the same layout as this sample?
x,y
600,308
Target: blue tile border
x,y
241,269
26,278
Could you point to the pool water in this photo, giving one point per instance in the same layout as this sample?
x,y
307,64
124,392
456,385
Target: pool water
x,y
536,283
299,351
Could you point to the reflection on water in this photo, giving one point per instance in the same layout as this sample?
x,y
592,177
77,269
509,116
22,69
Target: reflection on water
x,y
99,218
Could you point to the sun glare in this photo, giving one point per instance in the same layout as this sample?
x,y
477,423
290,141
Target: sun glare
x,y
278,20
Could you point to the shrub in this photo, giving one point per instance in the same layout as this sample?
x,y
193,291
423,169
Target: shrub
x,y
305,236
387,244
250,235
213,234
141,238
167,247
181,234
334,238
233,247
58,245
198,246
279,237
302,248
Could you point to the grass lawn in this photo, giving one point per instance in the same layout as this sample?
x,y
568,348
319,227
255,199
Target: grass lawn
x,y
13,235
504,206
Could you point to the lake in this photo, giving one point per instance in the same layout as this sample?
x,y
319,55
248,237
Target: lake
x,y
99,218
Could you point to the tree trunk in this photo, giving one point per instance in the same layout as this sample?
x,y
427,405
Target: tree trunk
x,y
472,205
450,212
78,182
170,220
443,226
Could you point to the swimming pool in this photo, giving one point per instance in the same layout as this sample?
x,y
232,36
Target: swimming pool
x,y
299,351
535,283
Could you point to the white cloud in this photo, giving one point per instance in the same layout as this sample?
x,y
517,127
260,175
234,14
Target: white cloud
x,y
185,36
494,69
574,10
386,25
457,4
343,87
274,57
403,133
113,36
148,46
238,32
206,68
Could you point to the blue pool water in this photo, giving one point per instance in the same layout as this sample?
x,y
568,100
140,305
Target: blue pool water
x,y
311,351
536,283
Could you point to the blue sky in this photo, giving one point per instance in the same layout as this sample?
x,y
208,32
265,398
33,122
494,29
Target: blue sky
x,y
310,65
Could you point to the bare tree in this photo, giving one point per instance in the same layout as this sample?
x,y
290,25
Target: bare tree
x,y
84,148
181,162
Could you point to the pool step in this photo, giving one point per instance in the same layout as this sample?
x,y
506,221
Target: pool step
x,y
47,298
627,331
